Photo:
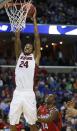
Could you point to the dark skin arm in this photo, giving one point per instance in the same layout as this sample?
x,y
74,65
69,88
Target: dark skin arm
x,y
37,53
17,44
18,41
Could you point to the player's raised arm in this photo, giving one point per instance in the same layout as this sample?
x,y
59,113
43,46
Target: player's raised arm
x,y
37,53
17,44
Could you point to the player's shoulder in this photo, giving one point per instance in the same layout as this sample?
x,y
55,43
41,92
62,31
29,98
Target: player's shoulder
x,y
28,57
21,53
54,110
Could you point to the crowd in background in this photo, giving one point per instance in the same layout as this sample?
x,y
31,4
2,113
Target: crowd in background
x,y
47,59
51,12
63,85
57,12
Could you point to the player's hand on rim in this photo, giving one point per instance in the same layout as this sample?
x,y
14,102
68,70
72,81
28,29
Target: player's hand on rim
x,y
34,16
28,5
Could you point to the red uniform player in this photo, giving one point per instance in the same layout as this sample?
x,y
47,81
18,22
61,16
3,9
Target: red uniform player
x,y
49,116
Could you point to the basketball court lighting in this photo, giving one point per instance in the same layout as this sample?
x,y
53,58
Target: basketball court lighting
x,y
41,48
53,44
61,42
46,46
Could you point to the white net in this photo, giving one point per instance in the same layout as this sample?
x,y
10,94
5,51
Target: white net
x,y
17,15
3,2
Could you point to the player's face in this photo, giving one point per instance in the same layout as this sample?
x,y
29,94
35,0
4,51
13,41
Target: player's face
x,y
50,101
28,49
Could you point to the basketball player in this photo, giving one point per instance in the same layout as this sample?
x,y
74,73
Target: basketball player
x,y
49,119
24,100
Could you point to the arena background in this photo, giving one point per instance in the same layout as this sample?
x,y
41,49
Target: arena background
x,y
57,23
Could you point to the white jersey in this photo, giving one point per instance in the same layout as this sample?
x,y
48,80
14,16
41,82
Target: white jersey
x,y
24,72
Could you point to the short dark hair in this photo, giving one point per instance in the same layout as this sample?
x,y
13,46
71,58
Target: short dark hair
x,y
51,99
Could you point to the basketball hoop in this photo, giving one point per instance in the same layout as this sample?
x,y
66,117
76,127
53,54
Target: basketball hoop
x,y
3,2
17,13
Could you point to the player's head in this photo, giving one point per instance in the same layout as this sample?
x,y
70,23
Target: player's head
x,y
28,49
27,44
51,100
71,103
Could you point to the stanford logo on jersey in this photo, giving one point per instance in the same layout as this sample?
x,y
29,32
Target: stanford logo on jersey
x,y
25,58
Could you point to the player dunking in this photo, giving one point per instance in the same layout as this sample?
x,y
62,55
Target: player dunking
x,y
24,100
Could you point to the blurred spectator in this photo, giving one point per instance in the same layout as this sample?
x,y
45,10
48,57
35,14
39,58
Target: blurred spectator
x,y
71,115
52,12
75,86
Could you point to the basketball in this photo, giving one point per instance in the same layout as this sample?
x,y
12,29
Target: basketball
x,y
31,11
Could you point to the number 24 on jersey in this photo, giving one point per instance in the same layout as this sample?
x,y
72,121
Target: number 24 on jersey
x,y
23,64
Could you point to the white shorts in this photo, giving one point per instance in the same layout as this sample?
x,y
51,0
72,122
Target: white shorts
x,y
23,102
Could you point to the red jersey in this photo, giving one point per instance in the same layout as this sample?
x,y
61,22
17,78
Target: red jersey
x,y
42,113
19,127
42,110
51,126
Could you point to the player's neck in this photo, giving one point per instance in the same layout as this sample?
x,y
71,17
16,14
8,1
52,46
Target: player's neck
x,y
27,54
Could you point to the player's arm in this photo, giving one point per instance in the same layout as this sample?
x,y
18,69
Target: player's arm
x,y
71,112
52,116
37,52
17,44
